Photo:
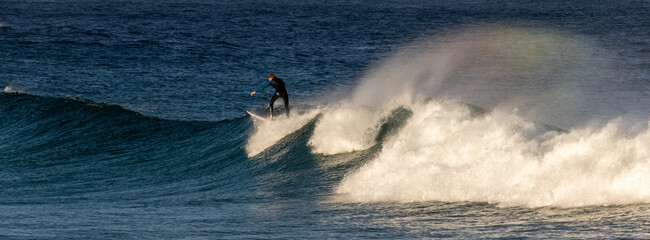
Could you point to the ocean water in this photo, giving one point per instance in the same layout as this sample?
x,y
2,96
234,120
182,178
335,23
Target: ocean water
x,y
410,119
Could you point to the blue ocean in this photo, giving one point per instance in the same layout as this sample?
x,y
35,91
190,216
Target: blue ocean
x,y
409,119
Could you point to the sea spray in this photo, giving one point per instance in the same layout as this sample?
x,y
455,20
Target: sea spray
x,y
12,88
548,75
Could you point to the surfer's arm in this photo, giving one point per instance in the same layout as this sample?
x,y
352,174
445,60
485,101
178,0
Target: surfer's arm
x,y
261,88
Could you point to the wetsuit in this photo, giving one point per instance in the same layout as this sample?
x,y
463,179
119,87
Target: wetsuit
x,y
280,91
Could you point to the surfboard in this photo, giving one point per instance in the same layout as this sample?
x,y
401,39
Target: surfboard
x,y
258,117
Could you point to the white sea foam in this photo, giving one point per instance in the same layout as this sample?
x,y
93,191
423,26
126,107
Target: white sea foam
x,y
268,133
444,154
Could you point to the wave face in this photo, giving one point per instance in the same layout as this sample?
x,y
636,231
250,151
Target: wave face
x,y
71,148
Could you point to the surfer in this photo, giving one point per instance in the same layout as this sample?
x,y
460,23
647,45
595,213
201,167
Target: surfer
x,y
280,91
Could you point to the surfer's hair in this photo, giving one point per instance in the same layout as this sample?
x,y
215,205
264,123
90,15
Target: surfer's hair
x,y
271,75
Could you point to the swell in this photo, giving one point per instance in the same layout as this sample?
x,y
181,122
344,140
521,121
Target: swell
x,y
72,148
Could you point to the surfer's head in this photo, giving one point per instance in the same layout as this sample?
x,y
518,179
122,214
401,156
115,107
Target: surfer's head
x,y
271,76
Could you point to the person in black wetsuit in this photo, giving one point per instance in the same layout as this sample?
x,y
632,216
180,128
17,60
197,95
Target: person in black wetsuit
x,y
280,91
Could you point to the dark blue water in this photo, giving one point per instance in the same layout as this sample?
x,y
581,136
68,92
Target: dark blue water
x,y
124,120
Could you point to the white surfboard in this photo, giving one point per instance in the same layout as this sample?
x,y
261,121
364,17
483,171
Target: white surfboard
x,y
258,117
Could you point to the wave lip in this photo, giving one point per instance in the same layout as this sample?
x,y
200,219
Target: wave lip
x,y
268,133
444,154
345,129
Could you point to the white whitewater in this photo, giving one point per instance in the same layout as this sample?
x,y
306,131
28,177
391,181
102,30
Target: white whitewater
x,y
443,154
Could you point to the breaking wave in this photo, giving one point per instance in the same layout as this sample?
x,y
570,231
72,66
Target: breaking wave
x,y
449,150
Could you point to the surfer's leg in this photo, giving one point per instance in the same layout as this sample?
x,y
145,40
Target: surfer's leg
x,y
285,98
275,97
